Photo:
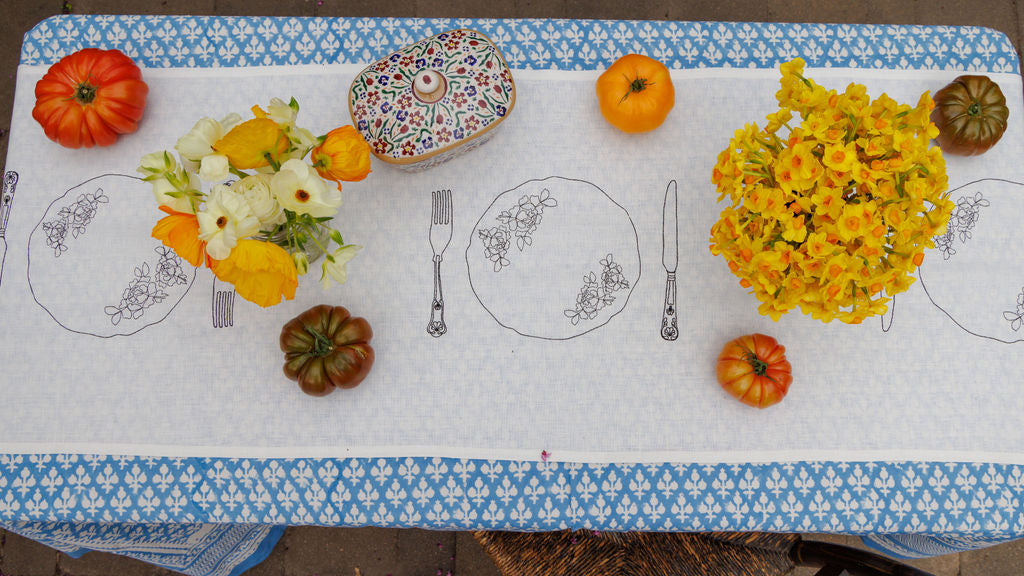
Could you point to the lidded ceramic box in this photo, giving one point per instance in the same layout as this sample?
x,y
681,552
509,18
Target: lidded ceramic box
x,y
432,100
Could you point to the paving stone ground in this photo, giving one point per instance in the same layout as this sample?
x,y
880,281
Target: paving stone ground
x,y
312,551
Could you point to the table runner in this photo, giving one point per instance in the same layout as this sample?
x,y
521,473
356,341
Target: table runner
x,y
528,493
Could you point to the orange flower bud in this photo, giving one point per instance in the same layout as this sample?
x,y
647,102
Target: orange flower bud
x,y
343,156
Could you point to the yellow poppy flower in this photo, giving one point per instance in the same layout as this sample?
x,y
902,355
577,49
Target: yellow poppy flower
x,y
261,272
249,144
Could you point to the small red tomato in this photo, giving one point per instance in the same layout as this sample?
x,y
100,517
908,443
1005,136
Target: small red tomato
x,y
753,368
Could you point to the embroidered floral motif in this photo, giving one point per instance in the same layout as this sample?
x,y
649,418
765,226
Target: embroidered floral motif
x,y
496,244
596,292
1016,317
147,289
169,271
73,219
520,221
961,222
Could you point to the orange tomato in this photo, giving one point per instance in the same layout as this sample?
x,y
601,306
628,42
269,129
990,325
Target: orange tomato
x,y
636,93
753,368
89,98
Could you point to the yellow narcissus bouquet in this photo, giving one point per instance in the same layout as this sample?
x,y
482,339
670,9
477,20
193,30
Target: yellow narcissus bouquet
x,y
267,211
833,202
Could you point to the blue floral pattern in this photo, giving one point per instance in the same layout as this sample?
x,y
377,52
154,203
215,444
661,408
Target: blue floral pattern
x,y
224,41
461,494
81,502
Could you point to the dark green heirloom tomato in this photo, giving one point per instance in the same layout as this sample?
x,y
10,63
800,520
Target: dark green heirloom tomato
x,y
971,115
326,348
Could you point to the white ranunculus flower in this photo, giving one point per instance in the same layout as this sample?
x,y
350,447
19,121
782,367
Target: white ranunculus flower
x,y
200,139
224,220
162,188
334,265
256,191
300,189
214,168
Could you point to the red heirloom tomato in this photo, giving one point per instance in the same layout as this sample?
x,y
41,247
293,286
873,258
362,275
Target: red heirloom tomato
x,y
753,368
89,98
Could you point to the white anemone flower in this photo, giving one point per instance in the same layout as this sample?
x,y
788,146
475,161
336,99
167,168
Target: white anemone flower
x,y
225,219
300,189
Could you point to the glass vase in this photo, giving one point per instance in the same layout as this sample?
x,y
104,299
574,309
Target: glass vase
x,y
313,244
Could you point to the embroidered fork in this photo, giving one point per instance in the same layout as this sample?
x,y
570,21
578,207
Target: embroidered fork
x,y
440,237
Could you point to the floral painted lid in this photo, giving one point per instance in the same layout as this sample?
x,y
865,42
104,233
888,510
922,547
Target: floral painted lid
x,y
432,96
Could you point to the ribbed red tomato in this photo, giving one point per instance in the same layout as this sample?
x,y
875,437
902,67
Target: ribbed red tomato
x,y
753,368
89,98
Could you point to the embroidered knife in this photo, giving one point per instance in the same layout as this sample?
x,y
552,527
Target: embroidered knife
x,y
6,200
670,260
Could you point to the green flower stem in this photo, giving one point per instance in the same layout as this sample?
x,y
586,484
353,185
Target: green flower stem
x,y
273,163
237,172
312,235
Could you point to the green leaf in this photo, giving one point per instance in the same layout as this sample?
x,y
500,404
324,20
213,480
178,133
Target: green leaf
x,y
336,236
294,104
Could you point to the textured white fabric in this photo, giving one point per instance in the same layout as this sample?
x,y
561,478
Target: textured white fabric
x,y
926,388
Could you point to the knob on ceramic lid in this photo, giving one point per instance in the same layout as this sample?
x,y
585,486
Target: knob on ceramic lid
x,y
429,85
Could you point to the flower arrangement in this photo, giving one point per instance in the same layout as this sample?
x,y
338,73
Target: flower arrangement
x,y
260,231
832,217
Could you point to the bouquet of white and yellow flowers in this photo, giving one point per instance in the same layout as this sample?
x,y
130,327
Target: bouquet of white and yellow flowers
x,y
266,213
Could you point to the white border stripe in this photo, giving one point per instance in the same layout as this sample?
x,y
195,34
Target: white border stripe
x,y
555,455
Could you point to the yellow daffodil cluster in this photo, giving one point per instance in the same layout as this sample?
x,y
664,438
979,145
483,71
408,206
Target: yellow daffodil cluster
x,y
834,216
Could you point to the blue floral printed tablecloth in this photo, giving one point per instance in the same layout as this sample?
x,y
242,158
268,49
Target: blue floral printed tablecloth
x,y
209,516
